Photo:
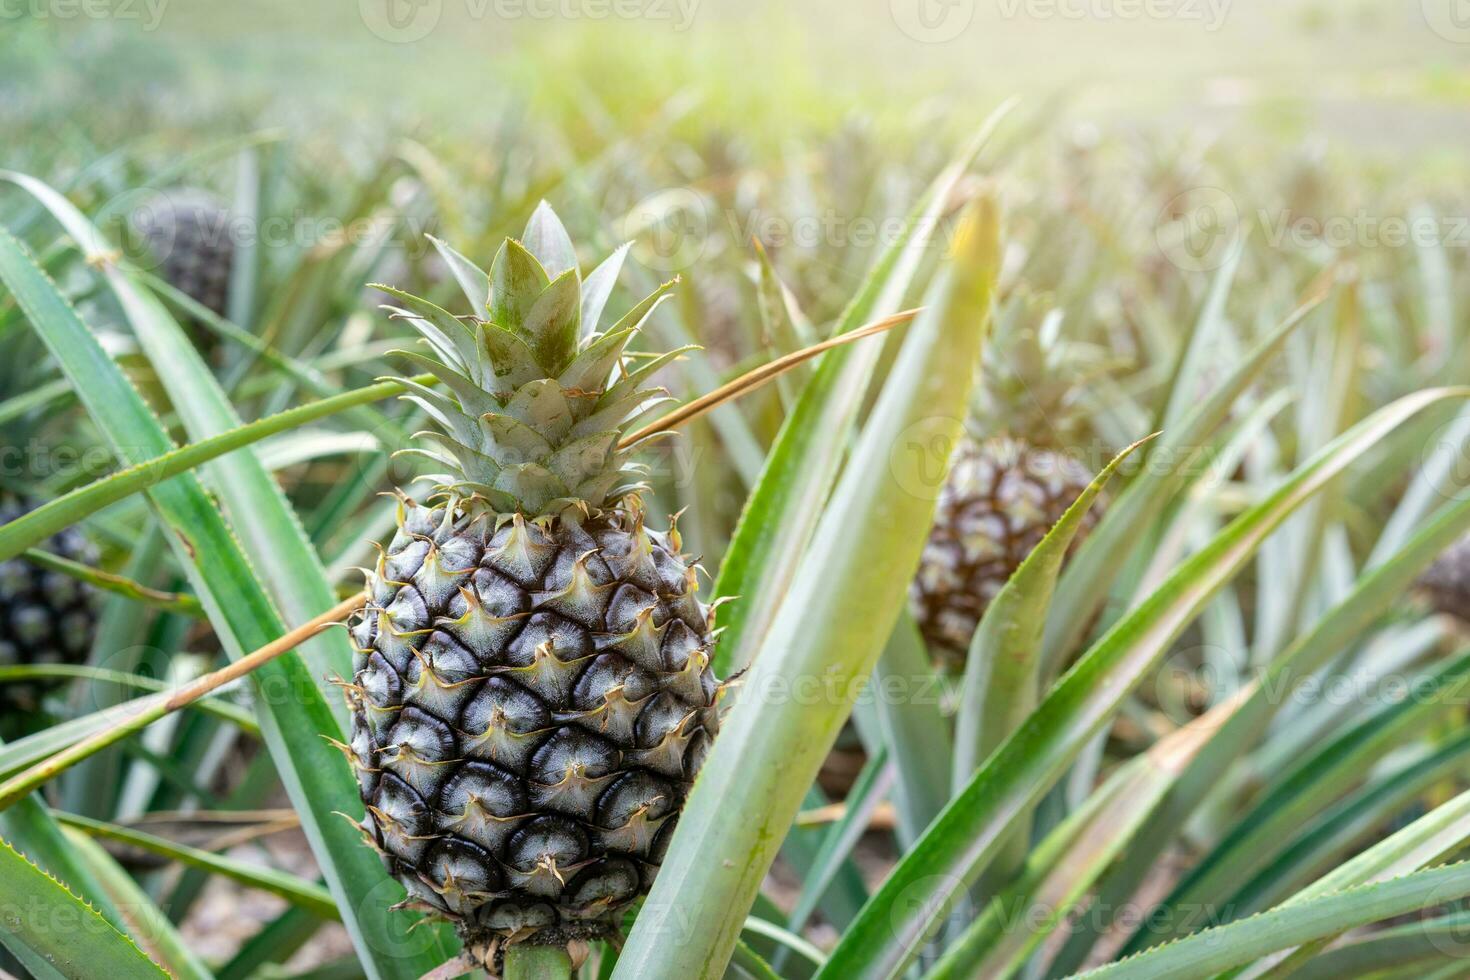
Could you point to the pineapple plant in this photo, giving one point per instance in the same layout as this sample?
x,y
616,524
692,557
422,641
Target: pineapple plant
x,y
1012,476
532,693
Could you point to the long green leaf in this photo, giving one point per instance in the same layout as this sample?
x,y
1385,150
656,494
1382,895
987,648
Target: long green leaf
x,y
21,753
1207,953
1434,837
963,840
30,830
1343,624
1003,672
1002,669
181,603
54,933
1415,945
26,752
1357,820
781,513
826,637
1060,871
1054,877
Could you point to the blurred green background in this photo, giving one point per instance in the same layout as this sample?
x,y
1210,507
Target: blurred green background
x,y
1381,76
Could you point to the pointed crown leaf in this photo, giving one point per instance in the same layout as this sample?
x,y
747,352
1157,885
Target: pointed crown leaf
x,y
534,400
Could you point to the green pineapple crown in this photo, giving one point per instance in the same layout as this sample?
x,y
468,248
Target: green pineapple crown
x,y
1033,379
535,400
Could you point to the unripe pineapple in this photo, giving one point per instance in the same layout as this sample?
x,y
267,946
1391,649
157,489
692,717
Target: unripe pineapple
x,y
532,693
1447,581
1011,478
1001,498
45,617
188,233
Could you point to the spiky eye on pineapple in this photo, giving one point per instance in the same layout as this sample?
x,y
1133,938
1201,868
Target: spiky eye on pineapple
x,y
532,694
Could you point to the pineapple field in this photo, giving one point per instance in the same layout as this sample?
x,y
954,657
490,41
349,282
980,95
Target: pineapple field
x,y
584,489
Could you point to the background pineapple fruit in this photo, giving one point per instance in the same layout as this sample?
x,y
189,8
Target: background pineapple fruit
x,y
1447,581
188,232
1011,478
532,695
45,617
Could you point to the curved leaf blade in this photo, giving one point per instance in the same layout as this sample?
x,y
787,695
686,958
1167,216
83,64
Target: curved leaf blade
x,y
74,506
1207,953
1085,582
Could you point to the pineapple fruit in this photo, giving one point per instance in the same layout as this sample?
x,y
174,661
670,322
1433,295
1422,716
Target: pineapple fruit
x,y
45,617
187,232
1447,581
1012,476
532,693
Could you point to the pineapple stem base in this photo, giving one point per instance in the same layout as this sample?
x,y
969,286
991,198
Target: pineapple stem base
x,y
524,961
551,954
